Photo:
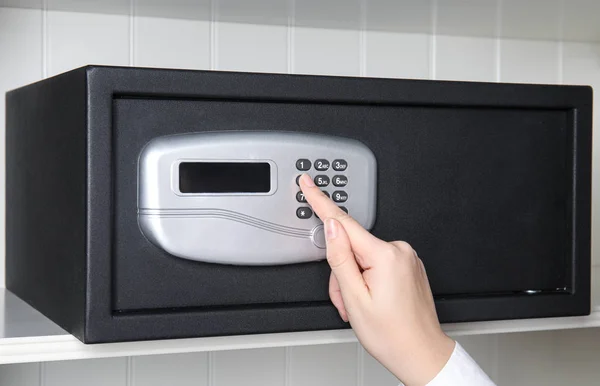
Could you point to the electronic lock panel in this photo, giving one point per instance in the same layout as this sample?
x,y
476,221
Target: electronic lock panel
x,y
233,197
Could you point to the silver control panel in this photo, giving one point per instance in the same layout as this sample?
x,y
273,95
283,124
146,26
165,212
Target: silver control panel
x,y
233,197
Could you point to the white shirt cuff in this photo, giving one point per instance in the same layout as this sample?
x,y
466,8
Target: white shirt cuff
x,y
461,370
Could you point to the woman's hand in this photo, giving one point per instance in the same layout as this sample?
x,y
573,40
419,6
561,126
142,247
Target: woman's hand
x,y
382,289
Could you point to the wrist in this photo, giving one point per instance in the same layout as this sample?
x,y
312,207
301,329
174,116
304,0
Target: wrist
x,y
420,362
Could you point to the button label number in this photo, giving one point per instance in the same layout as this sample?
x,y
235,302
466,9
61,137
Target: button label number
x,y
321,164
303,164
340,196
321,180
340,180
340,165
300,197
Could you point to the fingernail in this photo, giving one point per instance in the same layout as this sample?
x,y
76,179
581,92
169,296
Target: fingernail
x,y
307,180
344,317
331,230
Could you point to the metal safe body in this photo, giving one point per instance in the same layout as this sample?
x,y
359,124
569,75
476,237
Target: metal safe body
x,y
490,183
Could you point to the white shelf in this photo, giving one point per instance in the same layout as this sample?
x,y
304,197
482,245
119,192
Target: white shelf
x,y
28,336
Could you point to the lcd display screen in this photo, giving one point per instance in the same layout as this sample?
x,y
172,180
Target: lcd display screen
x,y
224,177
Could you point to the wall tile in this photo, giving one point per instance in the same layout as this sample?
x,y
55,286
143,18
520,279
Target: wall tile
x,y
77,39
90,372
374,373
484,350
529,61
91,6
397,55
180,369
254,48
21,374
327,365
531,19
257,367
581,65
327,13
337,51
407,16
173,9
465,58
527,359
21,63
466,17
270,12
581,20
576,356
171,43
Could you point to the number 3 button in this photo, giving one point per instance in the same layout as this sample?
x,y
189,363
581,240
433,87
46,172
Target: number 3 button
x,y
340,165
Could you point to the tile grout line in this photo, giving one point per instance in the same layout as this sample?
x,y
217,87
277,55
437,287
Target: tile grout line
x,y
360,365
433,41
42,374
214,63
131,33
496,358
561,37
288,366
498,42
291,36
44,38
362,39
210,366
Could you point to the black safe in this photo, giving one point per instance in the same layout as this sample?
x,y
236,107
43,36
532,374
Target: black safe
x,y
490,183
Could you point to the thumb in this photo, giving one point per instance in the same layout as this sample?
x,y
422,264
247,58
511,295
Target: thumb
x,y
343,263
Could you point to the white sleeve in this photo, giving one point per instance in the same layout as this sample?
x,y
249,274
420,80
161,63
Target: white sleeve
x,y
461,370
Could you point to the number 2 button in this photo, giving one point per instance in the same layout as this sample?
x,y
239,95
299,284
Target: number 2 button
x,y
321,164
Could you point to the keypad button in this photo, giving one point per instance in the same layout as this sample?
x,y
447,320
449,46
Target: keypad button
x,y
303,164
340,165
340,196
326,193
300,197
344,209
321,180
298,180
304,212
321,164
340,180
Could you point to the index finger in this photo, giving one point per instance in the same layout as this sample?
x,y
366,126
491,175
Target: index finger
x,y
362,241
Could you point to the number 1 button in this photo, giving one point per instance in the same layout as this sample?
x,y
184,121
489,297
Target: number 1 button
x,y
303,164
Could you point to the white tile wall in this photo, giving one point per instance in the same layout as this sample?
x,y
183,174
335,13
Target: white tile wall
x,y
260,367
529,61
77,39
91,372
159,370
326,365
421,40
465,58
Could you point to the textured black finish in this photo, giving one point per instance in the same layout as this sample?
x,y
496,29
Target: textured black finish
x,y
45,197
489,182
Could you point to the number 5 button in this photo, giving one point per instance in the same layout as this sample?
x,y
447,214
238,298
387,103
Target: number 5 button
x,y
321,180
340,180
